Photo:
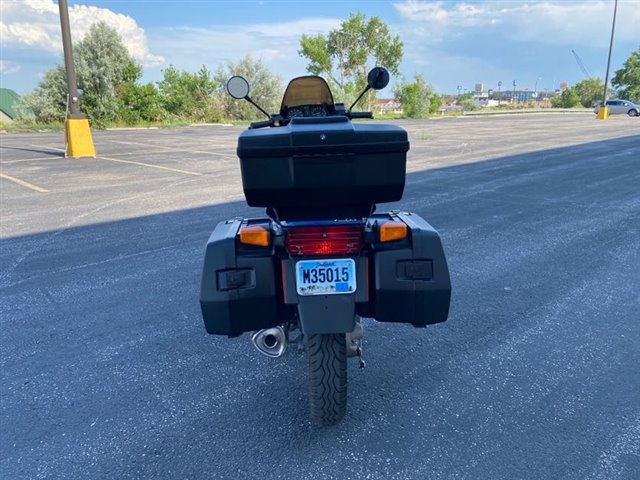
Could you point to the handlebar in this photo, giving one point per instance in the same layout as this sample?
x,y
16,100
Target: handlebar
x,y
360,114
271,122
266,123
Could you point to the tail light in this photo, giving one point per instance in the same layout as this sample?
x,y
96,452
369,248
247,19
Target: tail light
x,y
390,231
255,235
330,240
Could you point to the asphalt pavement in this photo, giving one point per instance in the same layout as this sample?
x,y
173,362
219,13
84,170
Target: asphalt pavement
x,y
106,370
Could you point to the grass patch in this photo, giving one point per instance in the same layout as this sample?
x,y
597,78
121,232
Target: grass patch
x,y
28,126
23,126
389,116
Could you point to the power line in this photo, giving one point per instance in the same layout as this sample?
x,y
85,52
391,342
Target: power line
x,y
581,64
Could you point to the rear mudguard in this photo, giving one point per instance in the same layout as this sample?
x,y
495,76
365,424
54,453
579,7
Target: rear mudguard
x,y
325,313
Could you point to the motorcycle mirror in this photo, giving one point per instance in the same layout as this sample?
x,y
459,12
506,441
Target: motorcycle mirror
x,y
378,78
238,87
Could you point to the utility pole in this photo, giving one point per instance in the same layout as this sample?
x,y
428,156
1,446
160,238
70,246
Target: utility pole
x,y
603,113
78,133
72,84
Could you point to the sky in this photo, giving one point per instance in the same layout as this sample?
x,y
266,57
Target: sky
x,y
450,43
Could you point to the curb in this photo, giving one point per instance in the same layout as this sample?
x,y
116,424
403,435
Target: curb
x,y
529,111
117,129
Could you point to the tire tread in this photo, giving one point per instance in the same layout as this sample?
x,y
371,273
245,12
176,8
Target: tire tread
x,y
327,378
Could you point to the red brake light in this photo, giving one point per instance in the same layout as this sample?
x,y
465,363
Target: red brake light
x,y
333,240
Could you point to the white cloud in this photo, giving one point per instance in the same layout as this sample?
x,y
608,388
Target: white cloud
x,y
276,44
249,38
461,14
36,24
456,43
8,68
270,54
550,22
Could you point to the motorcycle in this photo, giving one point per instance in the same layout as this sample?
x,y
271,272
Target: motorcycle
x,y
322,258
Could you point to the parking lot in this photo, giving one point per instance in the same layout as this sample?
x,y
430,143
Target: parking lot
x,y
197,166
142,172
106,371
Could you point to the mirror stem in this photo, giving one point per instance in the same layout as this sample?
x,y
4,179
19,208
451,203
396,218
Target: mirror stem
x,y
248,99
358,99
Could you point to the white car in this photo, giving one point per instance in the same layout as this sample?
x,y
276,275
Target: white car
x,y
620,106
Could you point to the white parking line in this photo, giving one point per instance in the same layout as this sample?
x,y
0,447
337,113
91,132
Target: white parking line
x,y
24,184
174,149
50,148
186,172
23,160
151,154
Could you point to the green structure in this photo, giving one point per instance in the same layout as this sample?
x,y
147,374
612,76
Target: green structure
x,y
8,103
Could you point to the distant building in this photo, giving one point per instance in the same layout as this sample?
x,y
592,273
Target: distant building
x,y
8,102
388,105
450,108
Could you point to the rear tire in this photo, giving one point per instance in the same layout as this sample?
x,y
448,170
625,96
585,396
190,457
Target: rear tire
x,y
327,378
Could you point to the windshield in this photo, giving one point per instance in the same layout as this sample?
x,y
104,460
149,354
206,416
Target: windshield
x,y
308,90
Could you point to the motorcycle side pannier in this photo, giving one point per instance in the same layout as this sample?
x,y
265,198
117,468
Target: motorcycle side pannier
x,y
238,293
412,284
320,163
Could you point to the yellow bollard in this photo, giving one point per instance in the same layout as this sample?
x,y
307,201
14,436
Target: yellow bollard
x,y
603,113
79,140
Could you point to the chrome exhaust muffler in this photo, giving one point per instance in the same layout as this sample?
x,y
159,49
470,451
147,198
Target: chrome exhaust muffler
x,y
353,340
270,341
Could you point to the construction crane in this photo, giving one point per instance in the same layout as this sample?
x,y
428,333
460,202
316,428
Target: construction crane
x,y
581,64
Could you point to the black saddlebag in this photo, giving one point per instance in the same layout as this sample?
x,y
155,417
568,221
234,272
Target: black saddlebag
x,y
412,284
320,164
237,293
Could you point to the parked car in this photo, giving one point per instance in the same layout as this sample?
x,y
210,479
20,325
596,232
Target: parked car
x,y
620,106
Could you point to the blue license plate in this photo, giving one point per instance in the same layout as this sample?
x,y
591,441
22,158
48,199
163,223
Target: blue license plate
x,y
326,277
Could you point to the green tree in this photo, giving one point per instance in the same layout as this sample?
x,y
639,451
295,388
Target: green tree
x,y
345,55
190,96
627,79
416,97
265,89
590,91
435,103
467,102
48,102
139,103
568,99
104,67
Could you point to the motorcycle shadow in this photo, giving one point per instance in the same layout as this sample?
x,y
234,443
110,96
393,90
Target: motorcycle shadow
x,y
401,374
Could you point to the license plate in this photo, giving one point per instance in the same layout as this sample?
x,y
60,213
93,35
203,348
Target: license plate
x,y
326,277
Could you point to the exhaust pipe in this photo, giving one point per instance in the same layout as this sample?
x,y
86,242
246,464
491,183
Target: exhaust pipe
x,y
353,340
270,341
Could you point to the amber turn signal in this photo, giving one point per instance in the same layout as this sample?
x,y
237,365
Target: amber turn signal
x,y
255,235
390,231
